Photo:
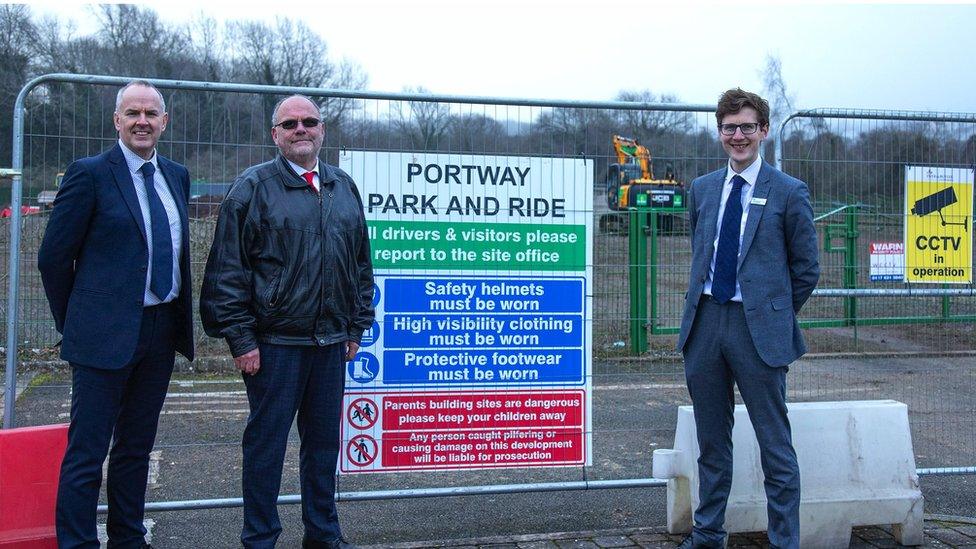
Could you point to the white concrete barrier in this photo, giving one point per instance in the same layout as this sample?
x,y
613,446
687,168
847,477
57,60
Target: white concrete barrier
x,y
857,468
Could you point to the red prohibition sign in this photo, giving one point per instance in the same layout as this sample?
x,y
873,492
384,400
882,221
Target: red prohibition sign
x,y
362,413
362,450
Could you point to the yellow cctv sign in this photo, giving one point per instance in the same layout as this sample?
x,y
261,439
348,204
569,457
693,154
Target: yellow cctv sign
x,y
938,225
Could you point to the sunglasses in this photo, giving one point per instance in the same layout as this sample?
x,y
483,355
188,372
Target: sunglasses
x,y
291,124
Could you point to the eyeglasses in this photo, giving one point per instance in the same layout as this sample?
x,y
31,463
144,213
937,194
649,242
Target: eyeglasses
x,y
291,124
747,129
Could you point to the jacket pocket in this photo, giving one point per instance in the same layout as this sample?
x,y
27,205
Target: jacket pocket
x,y
782,302
271,293
91,291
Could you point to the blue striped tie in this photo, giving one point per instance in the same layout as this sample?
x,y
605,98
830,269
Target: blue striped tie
x,y
727,256
161,281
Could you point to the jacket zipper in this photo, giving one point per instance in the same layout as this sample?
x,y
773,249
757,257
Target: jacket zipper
x,y
323,244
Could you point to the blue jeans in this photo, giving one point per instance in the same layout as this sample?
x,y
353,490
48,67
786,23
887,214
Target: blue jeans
x,y
308,381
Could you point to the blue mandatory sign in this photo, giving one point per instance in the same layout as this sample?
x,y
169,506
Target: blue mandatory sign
x,y
444,331
363,368
376,294
370,336
484,295
483,367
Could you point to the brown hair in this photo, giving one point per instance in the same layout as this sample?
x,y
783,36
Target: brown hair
x,y
732,101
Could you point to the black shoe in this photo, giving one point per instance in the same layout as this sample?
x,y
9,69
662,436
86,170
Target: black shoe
x,y
340,543
688,543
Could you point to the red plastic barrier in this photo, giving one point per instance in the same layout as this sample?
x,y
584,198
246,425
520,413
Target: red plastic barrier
x,y
30,460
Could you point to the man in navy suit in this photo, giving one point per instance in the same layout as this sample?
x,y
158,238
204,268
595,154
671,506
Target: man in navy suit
x,y
115,263
754,264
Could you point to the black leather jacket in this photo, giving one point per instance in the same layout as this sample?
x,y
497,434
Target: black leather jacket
x,y
288,265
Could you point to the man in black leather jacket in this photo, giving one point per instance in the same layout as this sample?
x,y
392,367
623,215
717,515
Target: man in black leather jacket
x,y
289,285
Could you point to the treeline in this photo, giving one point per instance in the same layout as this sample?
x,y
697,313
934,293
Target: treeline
x,y
133,41
866,163
218,134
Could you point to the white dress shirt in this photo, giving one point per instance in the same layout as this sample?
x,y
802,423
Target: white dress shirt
x,y
750,174
316,182
135,162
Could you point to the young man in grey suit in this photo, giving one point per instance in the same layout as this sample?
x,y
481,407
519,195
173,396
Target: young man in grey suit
x,y
754,264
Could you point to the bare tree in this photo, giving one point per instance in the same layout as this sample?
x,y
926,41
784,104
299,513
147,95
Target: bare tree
x,y
573,131
645,124
140,44
288,53
207,46
424,123
18,35
476,133
17,38
779,97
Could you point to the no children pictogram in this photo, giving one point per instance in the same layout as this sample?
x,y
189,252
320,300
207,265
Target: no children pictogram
x,y
362,413
362,450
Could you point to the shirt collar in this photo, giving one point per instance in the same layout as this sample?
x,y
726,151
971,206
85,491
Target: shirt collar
x,y
300,170
750,174
134,161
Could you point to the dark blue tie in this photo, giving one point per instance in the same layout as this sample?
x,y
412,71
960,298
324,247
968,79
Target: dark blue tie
x,y
161,280
727,256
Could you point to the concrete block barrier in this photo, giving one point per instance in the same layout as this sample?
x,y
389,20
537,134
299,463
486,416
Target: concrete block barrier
x,y
857,468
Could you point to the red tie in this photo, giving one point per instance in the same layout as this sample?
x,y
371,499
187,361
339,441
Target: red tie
x,y
310,177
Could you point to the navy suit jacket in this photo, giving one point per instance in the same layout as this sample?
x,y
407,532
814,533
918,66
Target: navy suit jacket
x,y
778,259
94,257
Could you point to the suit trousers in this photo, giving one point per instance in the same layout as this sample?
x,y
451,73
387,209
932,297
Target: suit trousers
x,y
120,406
719,354
308,381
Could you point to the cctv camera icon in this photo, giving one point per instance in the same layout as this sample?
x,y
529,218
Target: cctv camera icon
x,y
936,202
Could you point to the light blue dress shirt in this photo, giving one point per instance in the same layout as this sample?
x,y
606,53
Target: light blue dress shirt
x,y
135,162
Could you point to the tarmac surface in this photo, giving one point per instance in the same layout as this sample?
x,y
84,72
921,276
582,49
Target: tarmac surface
x,y
940,531
198,456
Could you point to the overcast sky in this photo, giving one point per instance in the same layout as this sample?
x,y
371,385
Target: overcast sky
x,y
908,57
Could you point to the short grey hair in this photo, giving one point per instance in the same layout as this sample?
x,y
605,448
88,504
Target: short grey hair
x,y
274,113
118,96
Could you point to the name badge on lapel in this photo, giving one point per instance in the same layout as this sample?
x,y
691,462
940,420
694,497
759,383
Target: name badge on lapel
x,y
758,201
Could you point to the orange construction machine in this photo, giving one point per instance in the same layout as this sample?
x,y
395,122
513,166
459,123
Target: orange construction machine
x,y
630,182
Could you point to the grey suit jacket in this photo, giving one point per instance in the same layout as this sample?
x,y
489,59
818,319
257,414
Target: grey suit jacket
x,y
778,259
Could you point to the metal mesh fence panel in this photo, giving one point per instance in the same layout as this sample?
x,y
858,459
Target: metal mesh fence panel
x,y
218,134
855,164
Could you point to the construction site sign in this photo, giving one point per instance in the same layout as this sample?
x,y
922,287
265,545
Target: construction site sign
x,y
938,225
481,352
887,261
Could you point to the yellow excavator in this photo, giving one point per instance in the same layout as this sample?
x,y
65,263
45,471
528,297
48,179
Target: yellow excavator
x,y
631,183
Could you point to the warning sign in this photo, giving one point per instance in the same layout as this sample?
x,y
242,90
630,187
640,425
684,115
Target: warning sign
x,y
887,261
505,448
938,225
361,450
362,413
